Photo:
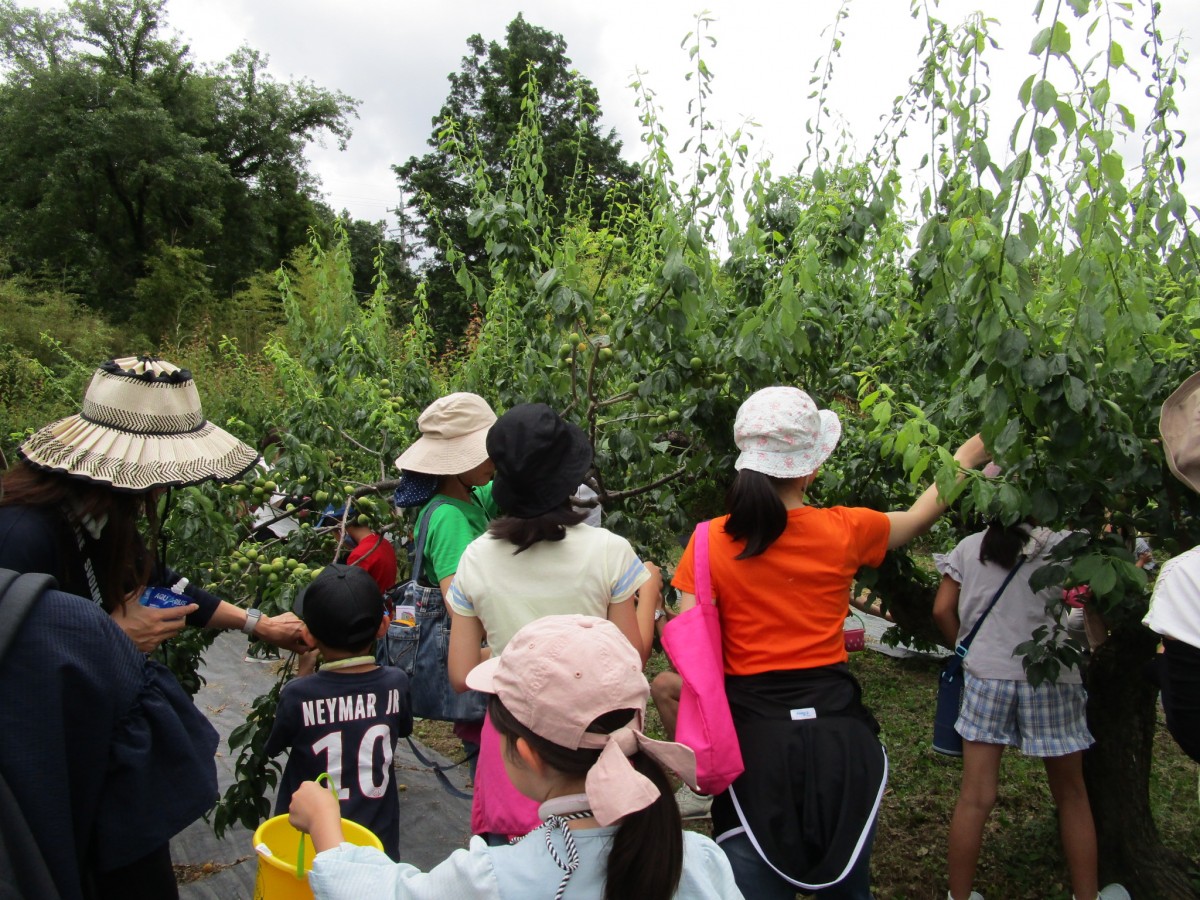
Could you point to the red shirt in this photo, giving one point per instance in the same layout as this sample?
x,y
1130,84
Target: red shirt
x,y
785,609
379,562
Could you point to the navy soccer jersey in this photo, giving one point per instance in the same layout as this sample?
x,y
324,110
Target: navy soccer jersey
x,y
346,724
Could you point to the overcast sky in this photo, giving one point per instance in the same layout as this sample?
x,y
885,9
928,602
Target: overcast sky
x,y
394,57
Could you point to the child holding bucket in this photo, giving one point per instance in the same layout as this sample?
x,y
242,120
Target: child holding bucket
x,y
345,719
569,699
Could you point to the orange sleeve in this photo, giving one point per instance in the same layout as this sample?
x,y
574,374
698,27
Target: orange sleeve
x,y
871,529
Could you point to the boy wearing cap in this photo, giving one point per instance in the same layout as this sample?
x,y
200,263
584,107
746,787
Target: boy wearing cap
x,y
345,719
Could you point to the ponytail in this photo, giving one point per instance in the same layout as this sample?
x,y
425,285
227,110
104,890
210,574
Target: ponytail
x,y
756,514
1002,543
646,859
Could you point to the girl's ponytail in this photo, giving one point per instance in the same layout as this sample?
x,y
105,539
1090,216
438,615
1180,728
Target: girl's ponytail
x,y
756,514
646,859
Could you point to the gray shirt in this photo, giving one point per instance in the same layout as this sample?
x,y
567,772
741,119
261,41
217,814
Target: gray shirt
x,y
1019,612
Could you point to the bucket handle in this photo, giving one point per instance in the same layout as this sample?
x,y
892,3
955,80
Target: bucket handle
x,y
300,850
853,615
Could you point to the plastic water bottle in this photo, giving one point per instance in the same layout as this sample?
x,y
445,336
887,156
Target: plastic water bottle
x,y
165,598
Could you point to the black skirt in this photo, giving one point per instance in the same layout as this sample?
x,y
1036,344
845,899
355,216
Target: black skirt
x,y
815,772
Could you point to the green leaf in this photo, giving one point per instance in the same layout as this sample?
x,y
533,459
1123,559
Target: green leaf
x,y
1044,139
1116,55
1011,347
1075,393
1040,42
1044,96
1060,41
1015,250
1104,580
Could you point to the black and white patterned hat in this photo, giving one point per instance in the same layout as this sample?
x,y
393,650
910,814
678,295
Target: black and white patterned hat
x,y
141,427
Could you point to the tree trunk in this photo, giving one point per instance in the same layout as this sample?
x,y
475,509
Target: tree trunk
x,y
1122,706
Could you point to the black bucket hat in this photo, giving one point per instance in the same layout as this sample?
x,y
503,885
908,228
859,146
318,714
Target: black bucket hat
x,y
540,460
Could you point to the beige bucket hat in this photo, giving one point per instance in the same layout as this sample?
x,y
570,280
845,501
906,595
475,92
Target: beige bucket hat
x,y
1179,425
453,436
141,427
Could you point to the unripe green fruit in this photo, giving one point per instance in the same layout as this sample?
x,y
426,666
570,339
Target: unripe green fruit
x,y
673,415
696,362
573,337
618,243
605,354
564,351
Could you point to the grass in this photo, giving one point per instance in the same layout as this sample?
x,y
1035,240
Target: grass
x,y
1021,858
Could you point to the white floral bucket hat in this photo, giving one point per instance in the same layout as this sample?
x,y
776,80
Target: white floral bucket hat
x,y
141,427
781,433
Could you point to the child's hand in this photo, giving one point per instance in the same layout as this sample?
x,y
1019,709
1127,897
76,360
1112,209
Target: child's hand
x,y
315,810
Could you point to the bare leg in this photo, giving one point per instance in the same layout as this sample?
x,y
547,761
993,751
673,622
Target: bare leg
x,y
976,797
1076,828
665,691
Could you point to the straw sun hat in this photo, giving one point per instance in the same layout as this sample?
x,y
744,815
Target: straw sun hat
x,y
141,427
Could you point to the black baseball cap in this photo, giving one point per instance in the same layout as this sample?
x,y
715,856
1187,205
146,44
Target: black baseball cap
x,y
342,607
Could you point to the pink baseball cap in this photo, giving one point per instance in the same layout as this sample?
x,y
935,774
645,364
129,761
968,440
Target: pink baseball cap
x,y
558,675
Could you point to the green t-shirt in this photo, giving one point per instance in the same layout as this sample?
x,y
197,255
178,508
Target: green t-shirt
x,y
452,526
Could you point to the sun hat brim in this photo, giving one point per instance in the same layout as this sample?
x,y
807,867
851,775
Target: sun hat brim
x,y
796,463
445,456
1179,426
130,461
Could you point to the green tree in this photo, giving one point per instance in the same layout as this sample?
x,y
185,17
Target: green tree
x,y
473,141
113,141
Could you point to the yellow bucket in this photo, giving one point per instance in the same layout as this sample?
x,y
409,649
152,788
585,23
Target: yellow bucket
x,y
277,878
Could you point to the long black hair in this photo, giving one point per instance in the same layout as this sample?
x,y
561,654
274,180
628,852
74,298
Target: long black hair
x,y
120,557
646,859
1002,543
549,526
756,514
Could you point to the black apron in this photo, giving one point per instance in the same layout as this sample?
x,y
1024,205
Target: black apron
x,y
815,772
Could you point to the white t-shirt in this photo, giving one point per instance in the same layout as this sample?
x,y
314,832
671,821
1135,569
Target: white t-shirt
x,y
585,572
524,869
1017,614
1175,604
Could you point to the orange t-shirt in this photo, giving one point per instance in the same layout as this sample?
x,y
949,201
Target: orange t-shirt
x,y
785,609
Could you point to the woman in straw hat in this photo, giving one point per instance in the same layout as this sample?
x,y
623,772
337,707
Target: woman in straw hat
x,y
73,503
781,573
1175,605
538,559
569,698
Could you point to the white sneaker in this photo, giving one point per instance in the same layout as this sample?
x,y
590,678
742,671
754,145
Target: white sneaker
x,y
693,805
1111,892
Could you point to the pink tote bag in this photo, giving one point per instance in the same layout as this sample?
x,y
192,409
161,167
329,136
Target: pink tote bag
x,y
693,641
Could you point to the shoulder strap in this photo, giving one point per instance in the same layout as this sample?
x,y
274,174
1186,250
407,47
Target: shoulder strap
x,y
18,846
419,541
19,592
965,643
700,564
